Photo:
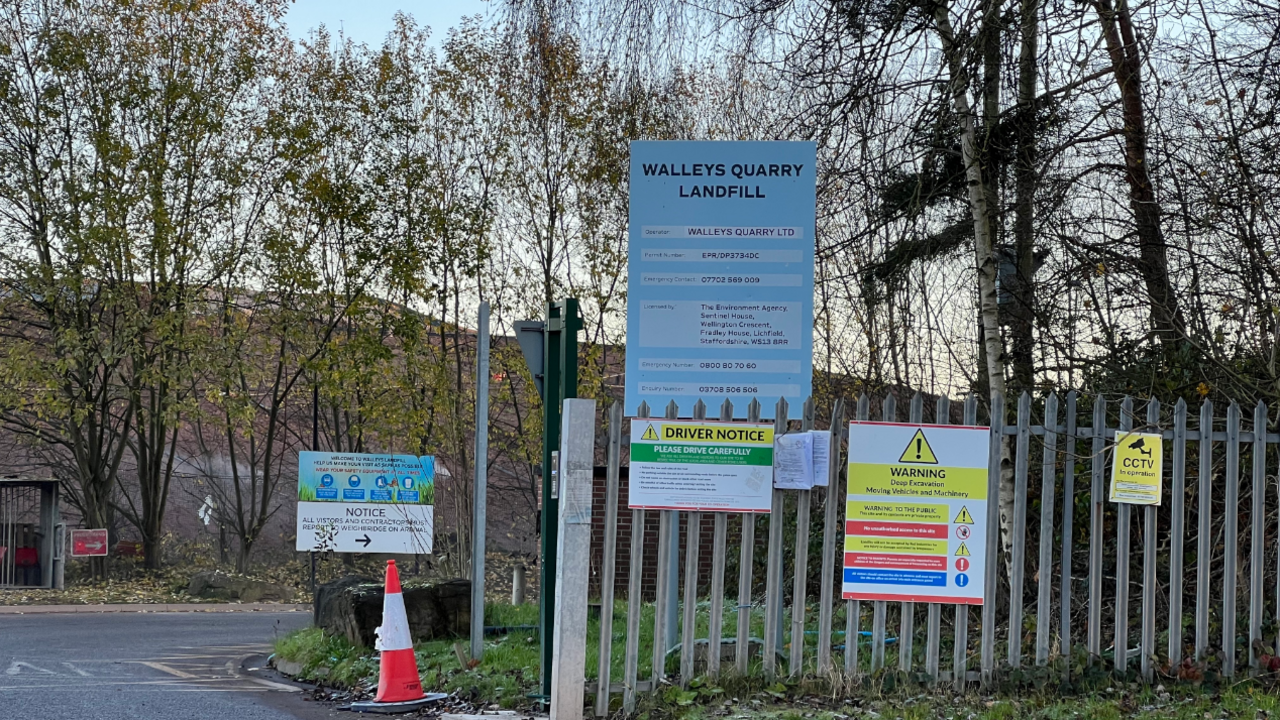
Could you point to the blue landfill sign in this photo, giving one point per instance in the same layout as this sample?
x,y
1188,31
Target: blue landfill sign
x,y
720,265
962,580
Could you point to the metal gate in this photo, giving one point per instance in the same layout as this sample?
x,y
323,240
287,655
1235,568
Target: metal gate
x,y
19,520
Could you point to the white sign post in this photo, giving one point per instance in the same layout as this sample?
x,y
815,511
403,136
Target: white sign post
x,y
573,564
352,502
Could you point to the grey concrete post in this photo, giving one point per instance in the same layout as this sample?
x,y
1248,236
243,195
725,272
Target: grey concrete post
x,y
517,585
49,520
573,563
481,483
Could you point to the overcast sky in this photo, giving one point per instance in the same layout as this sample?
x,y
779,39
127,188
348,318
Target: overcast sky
x,y
369,21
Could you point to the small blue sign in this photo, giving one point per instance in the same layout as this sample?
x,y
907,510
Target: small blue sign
x,y
409,496
896,577
326,480
407,483
380,495
349,494
354,481
326,493
962,580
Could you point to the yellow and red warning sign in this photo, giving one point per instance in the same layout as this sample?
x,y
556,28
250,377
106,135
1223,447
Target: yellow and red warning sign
x,y
917,505
1137,475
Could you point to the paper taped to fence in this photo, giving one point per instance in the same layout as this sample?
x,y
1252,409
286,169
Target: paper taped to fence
x,y
1137,475
716,467
915,518
793,461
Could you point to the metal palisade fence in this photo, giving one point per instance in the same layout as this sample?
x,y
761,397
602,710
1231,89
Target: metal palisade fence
x,y
1080,577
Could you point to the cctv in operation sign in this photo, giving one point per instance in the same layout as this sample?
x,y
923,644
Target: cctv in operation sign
x,y
720,274
1137,474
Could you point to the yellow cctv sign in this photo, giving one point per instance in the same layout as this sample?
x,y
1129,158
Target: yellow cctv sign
x,y
1137,475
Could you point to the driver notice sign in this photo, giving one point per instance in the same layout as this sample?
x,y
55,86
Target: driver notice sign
x,y
701,466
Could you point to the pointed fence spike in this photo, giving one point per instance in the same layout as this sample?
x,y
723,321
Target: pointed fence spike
x,y
1257,532
1204,498
1123,516
1147,633
1096,508
1065,643
1231,535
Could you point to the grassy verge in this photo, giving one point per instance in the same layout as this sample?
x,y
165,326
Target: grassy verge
x,y
509,673
1153,704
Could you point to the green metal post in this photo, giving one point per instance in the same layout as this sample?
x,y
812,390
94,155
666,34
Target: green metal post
x,y
564,322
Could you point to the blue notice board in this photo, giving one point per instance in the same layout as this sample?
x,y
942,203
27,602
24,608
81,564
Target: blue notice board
x,y
720,275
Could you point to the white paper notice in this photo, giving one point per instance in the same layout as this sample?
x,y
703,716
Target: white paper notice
x,y
793,461
821,457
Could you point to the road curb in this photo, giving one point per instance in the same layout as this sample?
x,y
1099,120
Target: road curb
x,y
155,608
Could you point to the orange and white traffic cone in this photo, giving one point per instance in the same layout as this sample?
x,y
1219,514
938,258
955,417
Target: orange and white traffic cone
x,y
399,688
398,677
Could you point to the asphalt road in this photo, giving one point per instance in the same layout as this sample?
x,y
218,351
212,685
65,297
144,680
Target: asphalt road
x,y
146,666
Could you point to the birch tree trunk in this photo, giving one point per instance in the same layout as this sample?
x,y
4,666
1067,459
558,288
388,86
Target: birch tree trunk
x,y
983,244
